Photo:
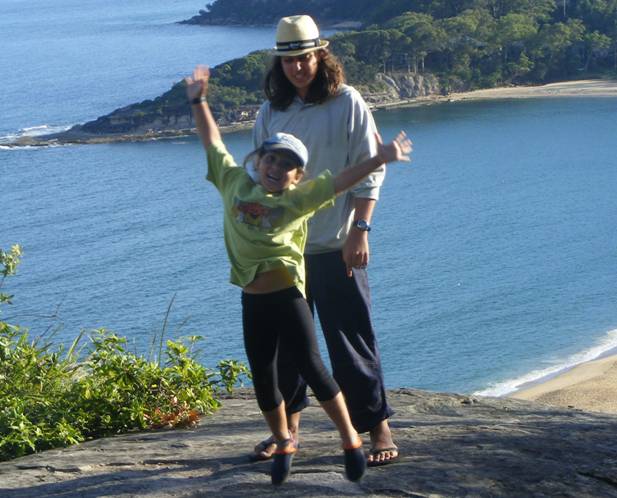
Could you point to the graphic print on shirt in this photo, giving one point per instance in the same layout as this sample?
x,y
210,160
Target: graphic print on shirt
x,y
257,215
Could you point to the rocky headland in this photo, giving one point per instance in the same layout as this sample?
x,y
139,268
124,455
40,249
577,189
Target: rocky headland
x,y
451,446
169,115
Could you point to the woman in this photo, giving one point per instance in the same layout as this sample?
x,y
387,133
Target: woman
x,y
308,98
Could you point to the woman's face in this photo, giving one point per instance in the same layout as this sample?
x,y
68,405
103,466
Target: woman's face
x,y
301,70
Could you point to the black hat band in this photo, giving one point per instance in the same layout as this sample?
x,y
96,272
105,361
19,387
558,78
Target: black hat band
x,y
297,45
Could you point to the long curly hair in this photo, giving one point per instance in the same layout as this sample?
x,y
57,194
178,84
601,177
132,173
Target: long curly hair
x,y
328,80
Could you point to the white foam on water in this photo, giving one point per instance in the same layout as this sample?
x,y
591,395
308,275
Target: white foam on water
x,y
603,346
36,131
8,141
25,147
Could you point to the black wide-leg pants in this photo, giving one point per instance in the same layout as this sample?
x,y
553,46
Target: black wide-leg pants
x,y
343,306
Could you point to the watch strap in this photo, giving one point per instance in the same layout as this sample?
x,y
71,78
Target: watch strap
x,y
362,225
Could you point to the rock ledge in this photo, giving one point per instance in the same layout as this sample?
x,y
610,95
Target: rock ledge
x,y
451,445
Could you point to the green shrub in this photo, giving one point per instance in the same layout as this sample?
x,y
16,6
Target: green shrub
x,y
9,262
55,396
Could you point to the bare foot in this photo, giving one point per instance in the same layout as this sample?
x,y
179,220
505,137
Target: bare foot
x,y
383,450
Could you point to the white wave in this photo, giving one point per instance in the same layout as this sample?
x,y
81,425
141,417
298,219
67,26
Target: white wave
x,y
604,345
33,131
23,147
35,128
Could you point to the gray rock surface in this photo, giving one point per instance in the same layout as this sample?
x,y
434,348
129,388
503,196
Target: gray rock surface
x,y
451,445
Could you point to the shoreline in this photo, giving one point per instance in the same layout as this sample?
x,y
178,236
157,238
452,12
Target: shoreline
x,y
589,386
577,88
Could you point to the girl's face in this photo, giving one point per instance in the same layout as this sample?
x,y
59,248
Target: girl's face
x,y
278,171
301,70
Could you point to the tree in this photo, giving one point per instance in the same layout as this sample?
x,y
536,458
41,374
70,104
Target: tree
x,y
376,46
596,44
515,31
469,44
422,36
540,10
553,44
518,69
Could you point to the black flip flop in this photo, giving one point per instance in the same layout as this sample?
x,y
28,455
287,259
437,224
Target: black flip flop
x,y
281,462
355,463
375,452
256,457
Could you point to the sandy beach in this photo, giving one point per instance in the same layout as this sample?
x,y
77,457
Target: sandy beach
x,y
590,386
580,88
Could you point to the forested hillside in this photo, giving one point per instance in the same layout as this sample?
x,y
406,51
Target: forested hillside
x,y
455,44
269,12
470,43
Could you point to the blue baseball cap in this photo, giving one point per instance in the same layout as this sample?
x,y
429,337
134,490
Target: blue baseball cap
x,y
289,143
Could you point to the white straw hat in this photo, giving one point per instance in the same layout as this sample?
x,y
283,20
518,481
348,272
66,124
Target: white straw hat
x,y
297,35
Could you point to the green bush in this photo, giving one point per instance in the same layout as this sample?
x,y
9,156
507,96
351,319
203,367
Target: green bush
x,y
55,396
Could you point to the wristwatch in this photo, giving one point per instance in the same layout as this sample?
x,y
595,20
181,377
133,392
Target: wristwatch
x,y
362,225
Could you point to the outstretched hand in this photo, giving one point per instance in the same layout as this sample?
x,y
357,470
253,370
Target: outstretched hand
x,y
397,150
197,84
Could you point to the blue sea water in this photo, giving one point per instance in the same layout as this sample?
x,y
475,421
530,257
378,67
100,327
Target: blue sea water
x,y
494,254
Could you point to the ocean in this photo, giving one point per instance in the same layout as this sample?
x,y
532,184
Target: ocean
x,y
493,254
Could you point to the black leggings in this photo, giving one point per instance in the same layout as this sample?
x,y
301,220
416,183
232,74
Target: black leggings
x,y
282,318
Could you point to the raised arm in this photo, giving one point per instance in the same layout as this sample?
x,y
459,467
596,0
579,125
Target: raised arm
x,y
397,150
196,91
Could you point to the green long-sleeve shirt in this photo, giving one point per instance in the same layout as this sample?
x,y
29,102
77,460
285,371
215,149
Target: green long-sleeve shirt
x,y
265,231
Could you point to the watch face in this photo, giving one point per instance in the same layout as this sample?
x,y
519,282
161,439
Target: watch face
x,y
362,225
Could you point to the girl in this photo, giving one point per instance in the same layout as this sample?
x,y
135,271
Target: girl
x,y
265,233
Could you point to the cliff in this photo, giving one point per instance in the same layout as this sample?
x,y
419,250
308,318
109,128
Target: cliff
x,y
451,446
403,87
